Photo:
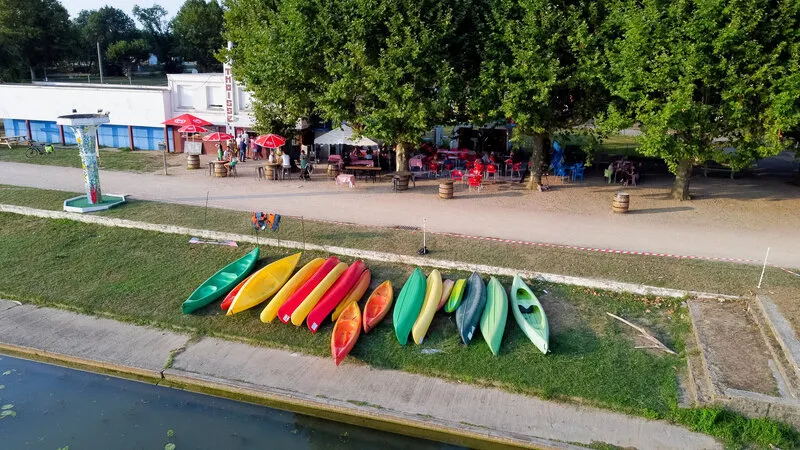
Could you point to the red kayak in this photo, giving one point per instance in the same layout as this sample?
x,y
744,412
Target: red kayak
x,y
335,295
232,294
286,310
378,304
345,332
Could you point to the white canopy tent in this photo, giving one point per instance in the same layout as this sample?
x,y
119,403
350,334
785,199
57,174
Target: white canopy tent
x,y
344,135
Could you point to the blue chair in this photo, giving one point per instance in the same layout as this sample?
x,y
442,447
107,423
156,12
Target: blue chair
x,y
561,172
577,172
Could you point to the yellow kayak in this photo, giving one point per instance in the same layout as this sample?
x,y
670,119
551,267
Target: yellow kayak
x,y
433,293
264,283
271,310
299,314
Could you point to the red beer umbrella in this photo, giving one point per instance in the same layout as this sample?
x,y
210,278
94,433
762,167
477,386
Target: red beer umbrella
x,y
192,129
270,140
216,137
186,119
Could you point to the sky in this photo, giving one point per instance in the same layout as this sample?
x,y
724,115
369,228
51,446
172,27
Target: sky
x,y
75,6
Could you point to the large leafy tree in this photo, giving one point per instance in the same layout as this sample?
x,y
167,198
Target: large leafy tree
x,y
198,32
128,54
540,69
104,26
33,33
706,79
157,29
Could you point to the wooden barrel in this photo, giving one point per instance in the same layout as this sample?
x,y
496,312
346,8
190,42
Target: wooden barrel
x,y
402,182
333,170
220,170
269,172
620,203
446,189
193,162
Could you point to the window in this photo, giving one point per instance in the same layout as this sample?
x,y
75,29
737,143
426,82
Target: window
x,y
245,103
185,97
214,97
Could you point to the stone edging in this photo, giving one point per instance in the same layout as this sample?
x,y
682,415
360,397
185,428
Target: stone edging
x,y
594,283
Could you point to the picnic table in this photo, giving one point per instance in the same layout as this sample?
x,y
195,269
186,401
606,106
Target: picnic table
x,y
8,140
365,171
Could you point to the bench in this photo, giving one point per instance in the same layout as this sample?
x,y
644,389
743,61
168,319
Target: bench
x,y
16,140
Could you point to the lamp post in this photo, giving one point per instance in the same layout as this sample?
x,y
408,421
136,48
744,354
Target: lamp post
x,y
85,126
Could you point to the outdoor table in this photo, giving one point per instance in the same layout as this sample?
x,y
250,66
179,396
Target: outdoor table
x,y
7,140
365,171
271,170
220,171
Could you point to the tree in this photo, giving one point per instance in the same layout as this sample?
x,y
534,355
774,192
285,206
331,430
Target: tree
x,y
198,32
127,54
157,29
705,76
104,26
33,33
541,69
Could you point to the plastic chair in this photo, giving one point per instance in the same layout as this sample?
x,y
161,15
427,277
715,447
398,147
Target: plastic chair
x,y
561,172
447,167
516,168
509,166
491,170
578,172
479,167
457,175
433,169
232,169
475,181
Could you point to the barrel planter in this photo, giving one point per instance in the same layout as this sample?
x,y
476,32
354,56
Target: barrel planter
x,y
446,189
220,170
402,182
333,171
193,162
269,172
620,203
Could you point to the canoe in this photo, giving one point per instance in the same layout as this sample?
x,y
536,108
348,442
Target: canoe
x,y
530,315
408,305
334,295
226,302
433,293
286,310
355,293
447,288
472,305
302,310
221,282
493,320
345,332
264,284
378,304
296,282
455,296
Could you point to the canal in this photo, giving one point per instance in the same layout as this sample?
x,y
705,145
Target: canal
x,y
44,406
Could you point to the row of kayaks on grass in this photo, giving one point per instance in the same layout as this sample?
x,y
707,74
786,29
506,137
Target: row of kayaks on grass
x,y
329,288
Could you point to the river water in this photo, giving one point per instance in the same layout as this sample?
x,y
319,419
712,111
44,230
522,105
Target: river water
x,y
43,406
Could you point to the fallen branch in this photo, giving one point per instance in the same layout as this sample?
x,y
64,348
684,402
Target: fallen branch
x,y
658,344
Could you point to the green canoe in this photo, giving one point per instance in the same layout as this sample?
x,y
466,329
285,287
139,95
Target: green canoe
x,y
455,296
221,282
408,305
469,313
493,320
530,314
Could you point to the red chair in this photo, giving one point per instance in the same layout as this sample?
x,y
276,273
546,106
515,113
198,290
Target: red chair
x,y
433,168
491,170
479,167
509,166
516,168
457,175
468,165
475,181
448,167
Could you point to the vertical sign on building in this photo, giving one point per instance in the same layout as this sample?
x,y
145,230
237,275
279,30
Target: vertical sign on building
x,y
229,94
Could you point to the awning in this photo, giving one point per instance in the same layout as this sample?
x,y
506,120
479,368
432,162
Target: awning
x,y
344,135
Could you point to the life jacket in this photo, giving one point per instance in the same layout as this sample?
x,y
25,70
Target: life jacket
x,y
262,221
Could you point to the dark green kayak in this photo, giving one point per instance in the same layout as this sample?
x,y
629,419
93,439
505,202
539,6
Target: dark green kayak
x,y
469,313
408,305
221,282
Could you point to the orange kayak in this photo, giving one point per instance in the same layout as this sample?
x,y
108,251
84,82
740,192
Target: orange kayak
x,y
378,304
226,303
447,288
354,295
345,332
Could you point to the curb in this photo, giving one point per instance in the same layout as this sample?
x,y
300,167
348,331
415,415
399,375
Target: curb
x,y
594,283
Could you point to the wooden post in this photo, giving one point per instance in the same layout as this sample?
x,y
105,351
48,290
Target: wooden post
x,y
130,137
166,139
165,162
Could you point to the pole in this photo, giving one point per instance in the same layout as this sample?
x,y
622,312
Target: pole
x,y
99,62
205,211
763,269
303,226
424,228
165,160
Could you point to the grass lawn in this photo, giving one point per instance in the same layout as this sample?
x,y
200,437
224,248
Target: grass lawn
x,y
138,161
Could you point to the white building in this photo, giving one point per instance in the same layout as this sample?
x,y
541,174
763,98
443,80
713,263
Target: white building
x,y
137,112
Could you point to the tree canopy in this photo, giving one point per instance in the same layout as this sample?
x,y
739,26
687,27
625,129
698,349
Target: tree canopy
x,y
157,29
128,54
198,32
33,33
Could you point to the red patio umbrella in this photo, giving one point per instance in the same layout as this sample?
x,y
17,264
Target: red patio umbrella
x,y
186,119
216,137
192,129
270,140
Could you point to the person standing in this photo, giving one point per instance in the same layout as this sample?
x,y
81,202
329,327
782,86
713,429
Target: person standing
x,y
246,139
242,149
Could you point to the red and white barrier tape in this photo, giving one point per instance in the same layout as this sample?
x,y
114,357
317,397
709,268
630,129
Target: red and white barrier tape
x,y
561,246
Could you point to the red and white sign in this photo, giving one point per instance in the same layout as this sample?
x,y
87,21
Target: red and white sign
x,y
226,69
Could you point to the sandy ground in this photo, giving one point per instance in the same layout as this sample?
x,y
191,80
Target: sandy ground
x,y
727,219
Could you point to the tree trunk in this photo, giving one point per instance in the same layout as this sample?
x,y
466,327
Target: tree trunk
x,y
401,159
537,160
33,74
683,173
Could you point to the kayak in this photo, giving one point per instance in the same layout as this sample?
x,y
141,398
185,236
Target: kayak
x,y
264,283
455,296
296,282
471,309
302,310
221,282
335,295
408,305
378,304
530,315
345,332
493,320
447,288
433,293
226,302
286,310
355,293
